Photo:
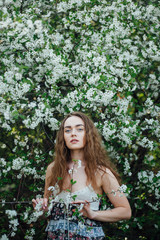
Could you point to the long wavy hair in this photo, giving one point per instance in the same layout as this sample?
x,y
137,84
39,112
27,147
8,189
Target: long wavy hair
x,y
95,155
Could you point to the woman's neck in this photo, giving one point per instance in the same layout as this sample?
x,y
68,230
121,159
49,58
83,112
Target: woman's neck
x,y
77,155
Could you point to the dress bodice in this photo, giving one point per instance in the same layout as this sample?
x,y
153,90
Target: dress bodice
x,y
85,194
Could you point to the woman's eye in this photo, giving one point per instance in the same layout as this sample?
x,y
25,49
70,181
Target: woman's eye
x,y
68,130
80,129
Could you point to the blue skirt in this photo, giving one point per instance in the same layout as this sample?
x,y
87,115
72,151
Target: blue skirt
x,y
65,225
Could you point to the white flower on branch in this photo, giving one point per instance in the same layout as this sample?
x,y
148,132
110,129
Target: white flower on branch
x,y
11,213
51,188
123,188
39,206
18,163
4,237
80,225
79,163
70,171
13,221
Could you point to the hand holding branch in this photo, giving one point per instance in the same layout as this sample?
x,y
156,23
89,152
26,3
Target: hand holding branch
x,y
42,201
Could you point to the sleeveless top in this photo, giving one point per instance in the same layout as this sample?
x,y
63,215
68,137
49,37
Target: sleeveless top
x,y
63,218
87,193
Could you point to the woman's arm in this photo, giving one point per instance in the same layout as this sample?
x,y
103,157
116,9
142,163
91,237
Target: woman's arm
x,y
121,205
48,175
44,201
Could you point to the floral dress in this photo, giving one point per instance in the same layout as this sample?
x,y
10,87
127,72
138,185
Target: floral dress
x,y
67,224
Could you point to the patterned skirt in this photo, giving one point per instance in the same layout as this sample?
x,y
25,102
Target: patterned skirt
x,y
65,225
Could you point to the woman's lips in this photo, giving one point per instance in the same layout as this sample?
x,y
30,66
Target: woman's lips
x,y
74,141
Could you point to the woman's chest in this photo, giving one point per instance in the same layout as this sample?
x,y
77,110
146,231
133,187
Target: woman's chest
x,y
75,180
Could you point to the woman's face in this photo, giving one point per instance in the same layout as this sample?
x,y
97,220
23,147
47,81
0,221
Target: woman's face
x,y
74,133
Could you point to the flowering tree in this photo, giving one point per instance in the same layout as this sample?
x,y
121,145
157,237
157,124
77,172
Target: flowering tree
x,y
97,56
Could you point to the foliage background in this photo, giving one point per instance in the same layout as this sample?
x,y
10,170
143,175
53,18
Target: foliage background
x,y
99,57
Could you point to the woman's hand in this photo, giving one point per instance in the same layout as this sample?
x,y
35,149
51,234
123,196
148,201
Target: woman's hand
x,y
85,209
43,201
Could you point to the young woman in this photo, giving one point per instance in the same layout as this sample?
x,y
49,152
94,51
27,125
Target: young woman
x,y
81,170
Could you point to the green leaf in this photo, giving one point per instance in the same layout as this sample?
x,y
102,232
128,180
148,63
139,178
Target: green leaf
x,y
15,114
59,178
73,182
74,197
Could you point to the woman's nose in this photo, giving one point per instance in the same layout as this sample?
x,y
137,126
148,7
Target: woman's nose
x,y
73,131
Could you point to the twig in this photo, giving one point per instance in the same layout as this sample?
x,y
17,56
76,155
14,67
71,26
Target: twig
x,y
17,202
30,202
19,188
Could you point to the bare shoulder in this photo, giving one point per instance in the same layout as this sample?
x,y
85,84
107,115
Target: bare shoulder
x,y
49,168
109,173
107,179
104,171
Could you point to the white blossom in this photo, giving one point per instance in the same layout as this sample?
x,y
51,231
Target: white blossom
x,y
81,225
4,237
70,171
123,188
18,163
51,188
79,163
11,213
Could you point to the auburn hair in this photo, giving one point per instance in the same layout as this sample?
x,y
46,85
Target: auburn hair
x,y
95,155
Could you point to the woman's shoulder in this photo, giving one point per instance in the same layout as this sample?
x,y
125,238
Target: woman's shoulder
x,y
49,168
102,170
51,165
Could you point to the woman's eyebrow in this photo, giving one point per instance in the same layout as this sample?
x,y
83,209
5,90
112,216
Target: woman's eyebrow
x,y
78,125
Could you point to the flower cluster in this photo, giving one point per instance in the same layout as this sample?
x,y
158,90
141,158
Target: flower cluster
x,y
13,223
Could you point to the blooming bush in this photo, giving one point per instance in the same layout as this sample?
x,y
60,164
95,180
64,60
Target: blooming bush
x,y
99,57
